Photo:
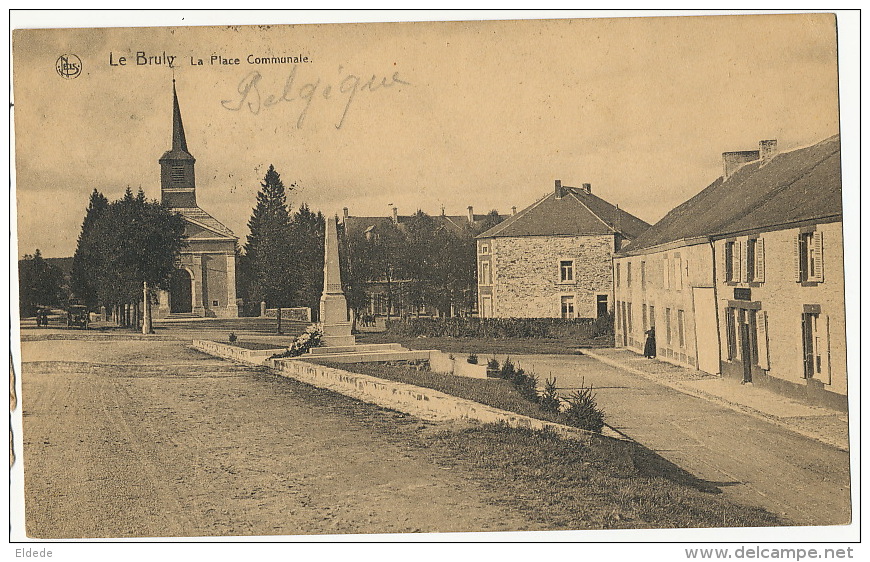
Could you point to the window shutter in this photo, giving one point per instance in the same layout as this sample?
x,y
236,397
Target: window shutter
x,y
819,269
666,278
761,329
723,262
737,265
796,254
759,260
826,352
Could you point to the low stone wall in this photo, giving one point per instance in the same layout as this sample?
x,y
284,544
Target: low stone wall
x,y
418,401
441,362
226,351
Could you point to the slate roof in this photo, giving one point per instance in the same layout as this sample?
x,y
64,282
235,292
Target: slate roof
x,y
578,212
197,215
455,222
796,186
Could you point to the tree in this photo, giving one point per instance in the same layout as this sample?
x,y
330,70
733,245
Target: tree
x,y
268,264
307,234
83,279
129,249
39,284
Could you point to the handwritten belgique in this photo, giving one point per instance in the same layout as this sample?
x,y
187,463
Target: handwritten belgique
x,y
251,98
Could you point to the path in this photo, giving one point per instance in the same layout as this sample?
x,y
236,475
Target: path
x,y
754,461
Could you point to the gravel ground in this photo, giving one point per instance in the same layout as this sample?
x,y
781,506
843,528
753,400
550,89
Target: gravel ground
x,y
147,438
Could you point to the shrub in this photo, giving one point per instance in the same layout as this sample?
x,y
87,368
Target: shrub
x,y
603,325
492,364
582,410
550,401
233,337
526,384
496,328
507,370
311,337
472,359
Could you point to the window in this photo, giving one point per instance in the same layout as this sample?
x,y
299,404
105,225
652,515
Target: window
x,y
618,271
808,257
678,272
628,274
750,259
176,174
568,306
484,247
629,318
643,275
644,317
666,274
681,328
652,316
566,271
214,303
601,305
731,333
485,278
668,335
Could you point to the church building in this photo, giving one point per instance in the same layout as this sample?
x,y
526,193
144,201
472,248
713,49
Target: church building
x,y
204,284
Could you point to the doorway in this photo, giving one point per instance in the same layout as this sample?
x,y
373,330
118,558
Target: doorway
x,y
181,292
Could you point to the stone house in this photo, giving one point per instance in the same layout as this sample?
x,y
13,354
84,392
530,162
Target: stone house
x,y
553,259
746,278
205,282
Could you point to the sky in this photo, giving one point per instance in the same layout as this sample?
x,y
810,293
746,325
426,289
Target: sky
x,y
417,115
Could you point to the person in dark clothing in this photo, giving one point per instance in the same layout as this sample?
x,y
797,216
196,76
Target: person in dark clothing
x,y
649,350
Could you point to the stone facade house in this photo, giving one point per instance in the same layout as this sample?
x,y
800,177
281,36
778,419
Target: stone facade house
x,y
205,282
746,278
554,258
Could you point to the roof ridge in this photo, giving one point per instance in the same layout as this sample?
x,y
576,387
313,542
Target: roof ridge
x,y
593,213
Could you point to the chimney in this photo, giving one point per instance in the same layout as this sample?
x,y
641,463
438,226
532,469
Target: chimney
x,y
560,191
396,215
345,213
514,210
732,161
767,150
587,187
470,213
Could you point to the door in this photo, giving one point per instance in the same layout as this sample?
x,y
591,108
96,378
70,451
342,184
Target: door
x,y
486,307
706,329
746,352
181,292
622,315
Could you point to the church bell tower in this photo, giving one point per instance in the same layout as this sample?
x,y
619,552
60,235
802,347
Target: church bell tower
x,y
177,181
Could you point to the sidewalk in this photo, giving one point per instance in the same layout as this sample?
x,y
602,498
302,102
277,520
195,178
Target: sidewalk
x,y
825,425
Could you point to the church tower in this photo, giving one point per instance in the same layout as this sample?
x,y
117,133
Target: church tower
x,y
204,282
177,181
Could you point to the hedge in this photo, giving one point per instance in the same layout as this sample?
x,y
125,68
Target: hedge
x,y
459,327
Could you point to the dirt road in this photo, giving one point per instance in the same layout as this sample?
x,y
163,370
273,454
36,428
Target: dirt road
x,y
149,438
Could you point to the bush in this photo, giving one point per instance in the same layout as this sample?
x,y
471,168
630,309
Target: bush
x,y
550,401
472,359
458,327
507,370
582,410
526,384
233,337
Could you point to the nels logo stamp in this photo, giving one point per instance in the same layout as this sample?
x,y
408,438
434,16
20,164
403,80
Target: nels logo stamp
x,y
69,66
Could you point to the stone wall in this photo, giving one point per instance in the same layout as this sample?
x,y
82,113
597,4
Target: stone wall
x,y
526,278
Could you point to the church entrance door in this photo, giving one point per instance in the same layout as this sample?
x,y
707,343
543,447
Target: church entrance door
x,y
181,292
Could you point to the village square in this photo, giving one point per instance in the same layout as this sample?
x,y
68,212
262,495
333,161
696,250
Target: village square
x,y
567,361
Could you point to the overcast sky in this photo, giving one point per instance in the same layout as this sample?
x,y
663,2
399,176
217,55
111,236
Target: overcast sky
x,y
486,114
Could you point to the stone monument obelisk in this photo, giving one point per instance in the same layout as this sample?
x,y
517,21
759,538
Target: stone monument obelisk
x,y
333,305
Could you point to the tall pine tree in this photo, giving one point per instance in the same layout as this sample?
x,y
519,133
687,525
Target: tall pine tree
x,y
268,260
83,279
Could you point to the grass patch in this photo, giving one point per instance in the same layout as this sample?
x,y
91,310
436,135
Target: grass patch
x,y
487,346
593,484
498,393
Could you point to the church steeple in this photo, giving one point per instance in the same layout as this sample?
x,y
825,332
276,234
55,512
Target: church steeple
x,y
177,180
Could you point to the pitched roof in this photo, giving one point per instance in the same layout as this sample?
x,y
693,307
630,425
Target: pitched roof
x,y
794,186
199,217
454,222
179,141
578,212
